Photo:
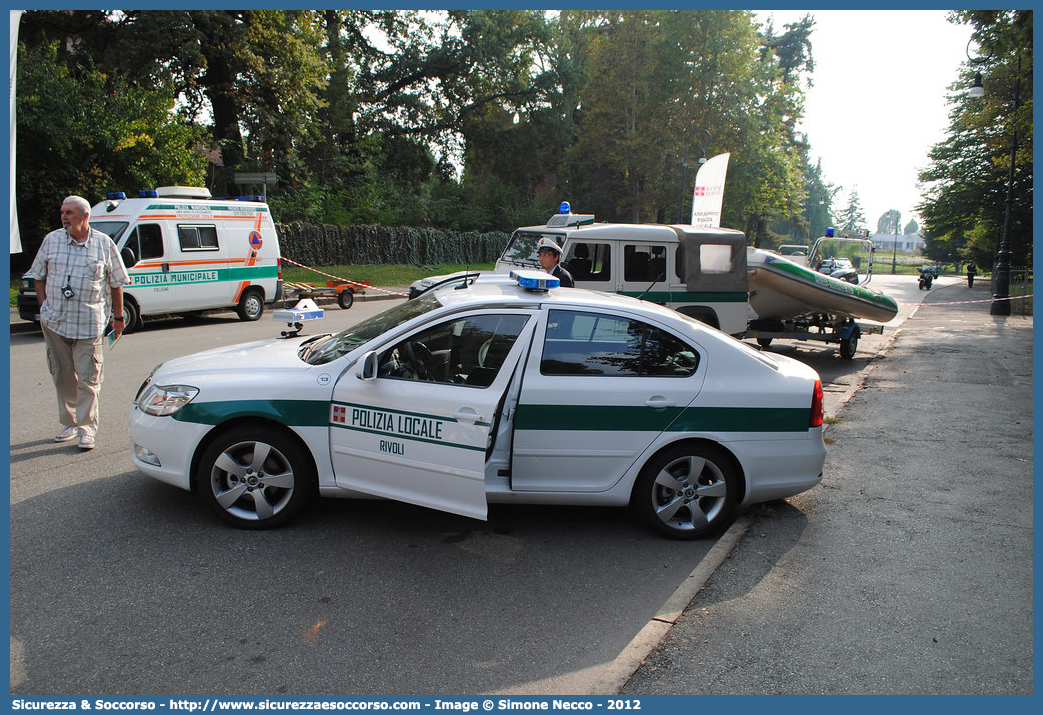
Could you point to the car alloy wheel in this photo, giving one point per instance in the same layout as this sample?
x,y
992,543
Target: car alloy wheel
x,y
687,492
255,477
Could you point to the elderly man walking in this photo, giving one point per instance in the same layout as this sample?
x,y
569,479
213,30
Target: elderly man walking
x,y
79,283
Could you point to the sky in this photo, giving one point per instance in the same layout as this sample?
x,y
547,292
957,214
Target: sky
x,y
878,101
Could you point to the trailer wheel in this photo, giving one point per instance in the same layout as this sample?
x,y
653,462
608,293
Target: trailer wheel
x,y
346,298
849,346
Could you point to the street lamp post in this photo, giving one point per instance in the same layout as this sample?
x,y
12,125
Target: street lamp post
x,y
1001,294
703,138
1001,298
894,252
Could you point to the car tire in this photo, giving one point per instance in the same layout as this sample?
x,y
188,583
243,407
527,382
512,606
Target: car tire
x,y
686,492
251,305
256,477
346,298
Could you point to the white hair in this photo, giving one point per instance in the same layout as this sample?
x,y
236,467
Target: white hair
x,y
78,201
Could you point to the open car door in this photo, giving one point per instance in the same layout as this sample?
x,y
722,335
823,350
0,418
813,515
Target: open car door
x,y
412,421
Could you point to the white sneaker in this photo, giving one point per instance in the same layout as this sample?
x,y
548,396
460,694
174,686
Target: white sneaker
x,y
86,441
67,434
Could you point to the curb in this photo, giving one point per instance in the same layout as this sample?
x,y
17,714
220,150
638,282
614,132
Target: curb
x,y
616,674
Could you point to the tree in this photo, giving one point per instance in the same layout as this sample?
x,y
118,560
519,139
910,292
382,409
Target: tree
x,y
456,119
87,132
889,222
653,79
852,219
964,206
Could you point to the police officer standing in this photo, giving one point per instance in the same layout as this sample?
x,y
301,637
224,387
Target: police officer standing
x,y
79,275
549,254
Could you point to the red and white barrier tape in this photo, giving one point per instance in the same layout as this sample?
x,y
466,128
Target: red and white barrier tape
x,y
344,280
392,292
965,302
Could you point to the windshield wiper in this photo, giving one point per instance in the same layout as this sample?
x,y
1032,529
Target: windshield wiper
x,y
309,345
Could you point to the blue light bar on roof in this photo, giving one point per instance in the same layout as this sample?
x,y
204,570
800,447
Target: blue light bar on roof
x,y
148,194
535,280
565,208
116,196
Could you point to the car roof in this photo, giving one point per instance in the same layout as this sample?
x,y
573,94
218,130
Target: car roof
x,y
633,232
509,294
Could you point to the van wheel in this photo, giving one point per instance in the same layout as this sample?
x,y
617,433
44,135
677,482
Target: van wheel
x,y
131,316
251,305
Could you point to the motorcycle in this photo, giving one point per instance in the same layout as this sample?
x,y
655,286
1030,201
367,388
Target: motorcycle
x,y
926,278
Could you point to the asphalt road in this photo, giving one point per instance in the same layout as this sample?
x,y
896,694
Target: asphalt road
x,y
910,569
122,585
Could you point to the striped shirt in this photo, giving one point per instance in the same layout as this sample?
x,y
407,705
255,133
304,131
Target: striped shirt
x,y
91,269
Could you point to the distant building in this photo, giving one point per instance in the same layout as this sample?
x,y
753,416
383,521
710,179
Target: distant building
x,y
908,243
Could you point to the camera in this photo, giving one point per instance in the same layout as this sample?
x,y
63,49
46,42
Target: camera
x,y
67,291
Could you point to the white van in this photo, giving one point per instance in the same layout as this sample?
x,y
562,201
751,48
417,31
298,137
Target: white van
x,y
187,252
700,272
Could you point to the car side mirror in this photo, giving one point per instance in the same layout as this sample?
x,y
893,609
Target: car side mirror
x,y
368,369
129,259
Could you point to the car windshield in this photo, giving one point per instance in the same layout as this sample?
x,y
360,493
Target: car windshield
x,y
114,229
324,350
521,249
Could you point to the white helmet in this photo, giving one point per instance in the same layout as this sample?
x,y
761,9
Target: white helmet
x,y
548,243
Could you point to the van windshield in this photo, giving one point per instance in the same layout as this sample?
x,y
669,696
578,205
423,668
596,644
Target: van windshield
x,y
521,249
324,350
115,229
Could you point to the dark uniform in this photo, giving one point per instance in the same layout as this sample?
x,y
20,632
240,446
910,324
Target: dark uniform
x,y
563,276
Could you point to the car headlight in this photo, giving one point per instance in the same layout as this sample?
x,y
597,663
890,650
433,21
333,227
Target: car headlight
x,y
162,400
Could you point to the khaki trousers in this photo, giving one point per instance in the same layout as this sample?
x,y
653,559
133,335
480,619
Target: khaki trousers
x,y
76,368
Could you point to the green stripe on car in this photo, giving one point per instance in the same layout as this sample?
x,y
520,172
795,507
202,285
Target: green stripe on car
x,y
601,418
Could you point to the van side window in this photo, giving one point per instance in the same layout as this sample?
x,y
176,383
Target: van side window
x,y
589,261
148,238
612,346
197,238
644,263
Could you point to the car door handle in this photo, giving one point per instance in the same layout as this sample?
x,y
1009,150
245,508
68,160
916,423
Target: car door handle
x,y
468,416
658,402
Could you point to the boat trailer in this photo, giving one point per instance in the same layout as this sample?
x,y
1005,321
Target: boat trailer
x,y
843,332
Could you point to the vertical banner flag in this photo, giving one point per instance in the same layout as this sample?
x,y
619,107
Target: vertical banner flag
x,y
16,241
709,192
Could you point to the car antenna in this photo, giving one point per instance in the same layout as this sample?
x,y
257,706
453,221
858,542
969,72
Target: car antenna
x,y
660,277
463,281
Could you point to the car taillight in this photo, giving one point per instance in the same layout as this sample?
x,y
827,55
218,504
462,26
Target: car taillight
x,y
817,414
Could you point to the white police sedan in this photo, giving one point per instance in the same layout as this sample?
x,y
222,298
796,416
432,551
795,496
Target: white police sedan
x,y
493,392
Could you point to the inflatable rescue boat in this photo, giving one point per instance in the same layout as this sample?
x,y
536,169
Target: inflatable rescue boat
x,y
783,289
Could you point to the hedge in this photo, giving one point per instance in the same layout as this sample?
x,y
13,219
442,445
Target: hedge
x,y
364,245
